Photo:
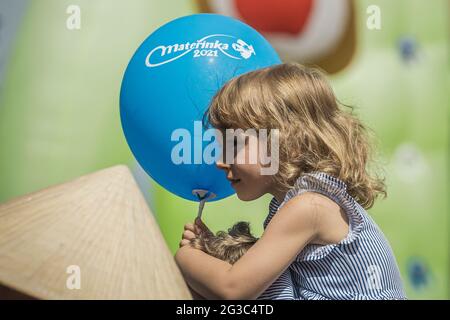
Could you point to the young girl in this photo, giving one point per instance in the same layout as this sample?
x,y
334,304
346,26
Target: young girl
x,y
318,242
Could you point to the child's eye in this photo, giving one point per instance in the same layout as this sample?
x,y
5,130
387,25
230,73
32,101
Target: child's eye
x,y
235,146
244,142
239,143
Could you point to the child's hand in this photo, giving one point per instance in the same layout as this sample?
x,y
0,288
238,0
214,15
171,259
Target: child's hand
x,y
192,231
189,233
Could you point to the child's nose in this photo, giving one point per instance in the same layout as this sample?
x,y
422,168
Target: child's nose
x,y
221,165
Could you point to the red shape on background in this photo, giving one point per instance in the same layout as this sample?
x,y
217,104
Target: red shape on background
x,y
283,16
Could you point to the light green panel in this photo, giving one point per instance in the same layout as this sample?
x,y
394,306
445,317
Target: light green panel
x,y
59,108
407,106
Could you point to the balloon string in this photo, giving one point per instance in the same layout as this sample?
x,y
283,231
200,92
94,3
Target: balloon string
x,y
201,205
202,196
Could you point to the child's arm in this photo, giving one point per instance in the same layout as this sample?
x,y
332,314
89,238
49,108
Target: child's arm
x,y
288,232
195,295
202,272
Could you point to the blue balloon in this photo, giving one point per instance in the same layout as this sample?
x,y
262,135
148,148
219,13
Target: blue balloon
x,y
168,86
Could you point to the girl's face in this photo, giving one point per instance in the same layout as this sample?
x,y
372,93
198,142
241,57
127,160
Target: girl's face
x,y
244,173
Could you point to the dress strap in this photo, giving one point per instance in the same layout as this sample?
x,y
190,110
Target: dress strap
x,y
336,190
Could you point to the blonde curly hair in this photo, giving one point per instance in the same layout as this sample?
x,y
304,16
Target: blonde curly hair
x,y
315,132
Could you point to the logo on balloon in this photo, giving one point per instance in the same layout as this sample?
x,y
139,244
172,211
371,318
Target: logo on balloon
x,y
208,46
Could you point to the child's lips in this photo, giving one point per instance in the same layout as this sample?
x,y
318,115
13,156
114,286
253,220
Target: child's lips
x,y
234,181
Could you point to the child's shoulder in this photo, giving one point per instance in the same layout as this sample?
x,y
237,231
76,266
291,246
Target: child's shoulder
x,y
311,202
301,210
318,211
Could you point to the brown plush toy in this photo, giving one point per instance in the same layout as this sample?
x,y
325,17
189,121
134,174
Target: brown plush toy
x,y
228,246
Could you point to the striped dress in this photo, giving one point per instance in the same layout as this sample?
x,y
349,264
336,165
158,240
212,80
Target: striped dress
x,y
361,266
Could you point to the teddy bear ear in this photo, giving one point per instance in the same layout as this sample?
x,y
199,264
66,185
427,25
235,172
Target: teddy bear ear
x,y
200,227
240,228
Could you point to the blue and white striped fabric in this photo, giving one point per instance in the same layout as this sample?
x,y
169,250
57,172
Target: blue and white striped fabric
x,y
361,266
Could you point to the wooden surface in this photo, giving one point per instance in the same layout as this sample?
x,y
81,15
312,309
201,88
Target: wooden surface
x,y
99,222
